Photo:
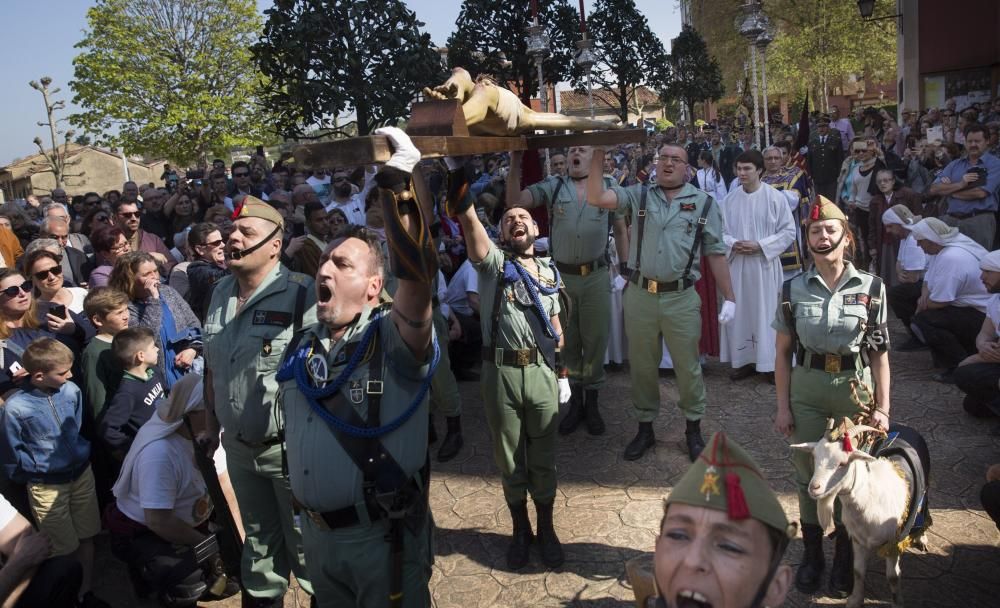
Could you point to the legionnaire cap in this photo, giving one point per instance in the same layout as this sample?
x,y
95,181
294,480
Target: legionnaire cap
x,y
901,216
254,207
725,478
823,119
991,261
823,209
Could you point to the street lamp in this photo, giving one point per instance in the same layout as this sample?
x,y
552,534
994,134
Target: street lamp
x,y
867,9
751,28
763,40
586,59
538,49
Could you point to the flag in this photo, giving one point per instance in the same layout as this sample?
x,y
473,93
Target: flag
x,y
802,141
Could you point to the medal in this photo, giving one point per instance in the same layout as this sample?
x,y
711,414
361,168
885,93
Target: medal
x,y
521,294
317,368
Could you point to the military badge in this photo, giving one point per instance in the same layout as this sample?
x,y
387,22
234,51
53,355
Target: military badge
x,y
710,483
688,206
357,393
850,298
521,294
318,371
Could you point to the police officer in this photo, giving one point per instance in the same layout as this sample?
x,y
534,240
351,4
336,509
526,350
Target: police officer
x,y
723,534
833,318
354,394
579,243
523,379
251,318
825,156
674,224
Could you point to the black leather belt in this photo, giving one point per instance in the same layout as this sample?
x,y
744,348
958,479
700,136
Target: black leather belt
x,y
257,445
342,518
829,363
580,269
653,286
965,216
506,356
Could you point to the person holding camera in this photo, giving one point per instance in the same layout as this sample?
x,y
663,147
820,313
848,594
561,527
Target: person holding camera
x,y
970,185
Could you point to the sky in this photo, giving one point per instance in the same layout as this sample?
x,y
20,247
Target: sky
x,y
39,36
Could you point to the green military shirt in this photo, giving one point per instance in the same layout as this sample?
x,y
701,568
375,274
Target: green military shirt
x,y
514,331
668,236
243,348
578,232
832,321
322,475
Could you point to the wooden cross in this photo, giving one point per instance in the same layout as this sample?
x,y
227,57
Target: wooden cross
x,y
438,129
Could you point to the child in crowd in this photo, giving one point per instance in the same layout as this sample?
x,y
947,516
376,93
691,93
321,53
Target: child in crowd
x,y
42,448
140,391
107,309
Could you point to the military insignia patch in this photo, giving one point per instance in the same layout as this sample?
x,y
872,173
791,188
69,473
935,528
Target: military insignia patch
x,y
318,371
277,318
863,299
266,348
850,298
340,357
688,206
357,393
710,483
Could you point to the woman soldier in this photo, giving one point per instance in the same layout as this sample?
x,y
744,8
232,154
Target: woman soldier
x,y
833,319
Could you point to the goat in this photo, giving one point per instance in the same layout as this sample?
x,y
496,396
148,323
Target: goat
x,y
875,498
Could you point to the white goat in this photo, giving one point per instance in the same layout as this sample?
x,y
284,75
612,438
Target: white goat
x,y
874,498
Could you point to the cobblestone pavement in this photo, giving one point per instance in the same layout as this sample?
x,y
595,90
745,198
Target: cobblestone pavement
x,y
607,509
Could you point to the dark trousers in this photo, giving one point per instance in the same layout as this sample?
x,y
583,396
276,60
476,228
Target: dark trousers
x,y
990,497
466,351
903,301
859,218
55,584
950,332
979,383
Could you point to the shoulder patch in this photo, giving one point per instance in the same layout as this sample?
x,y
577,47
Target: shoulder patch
x,y
298,277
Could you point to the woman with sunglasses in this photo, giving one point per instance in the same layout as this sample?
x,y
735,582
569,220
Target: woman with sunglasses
x,y
109,244
44,268
161,309
208,265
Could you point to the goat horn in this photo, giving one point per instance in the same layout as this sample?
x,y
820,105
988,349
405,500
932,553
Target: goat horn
x,y
861,428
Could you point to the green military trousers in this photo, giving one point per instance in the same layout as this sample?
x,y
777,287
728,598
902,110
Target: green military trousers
x,y
816,396
349,567
677,317
585,327
445,399
273,546
521,408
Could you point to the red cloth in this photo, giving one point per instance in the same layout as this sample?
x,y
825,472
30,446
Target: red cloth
x,y
709,343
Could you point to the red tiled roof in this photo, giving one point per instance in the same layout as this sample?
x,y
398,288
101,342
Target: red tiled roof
x,y
572,100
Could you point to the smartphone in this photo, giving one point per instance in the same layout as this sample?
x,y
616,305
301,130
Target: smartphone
x,y
15,367
57,310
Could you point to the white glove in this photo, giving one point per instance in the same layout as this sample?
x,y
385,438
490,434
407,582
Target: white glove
x,y
618,283
728,312
405,155
564,391
452,163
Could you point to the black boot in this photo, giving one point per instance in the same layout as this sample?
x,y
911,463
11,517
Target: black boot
x,y
432,435
452,440
810,570
642,441
842,570
574,416
551,548
520,543
592,412
694,441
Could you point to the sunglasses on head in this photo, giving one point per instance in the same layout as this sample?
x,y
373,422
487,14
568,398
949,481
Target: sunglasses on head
x,y
41,275
13,290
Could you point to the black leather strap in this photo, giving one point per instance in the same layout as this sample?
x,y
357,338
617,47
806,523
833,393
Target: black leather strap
x,y
699,233
640,229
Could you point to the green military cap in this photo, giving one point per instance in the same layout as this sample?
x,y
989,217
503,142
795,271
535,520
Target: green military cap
x,y
823,209
726,479
254,207
824,118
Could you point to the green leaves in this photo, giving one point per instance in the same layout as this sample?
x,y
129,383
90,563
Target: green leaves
x,y
170,78
326,58
693,74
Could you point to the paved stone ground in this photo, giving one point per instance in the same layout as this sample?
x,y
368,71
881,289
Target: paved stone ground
x,y
607,510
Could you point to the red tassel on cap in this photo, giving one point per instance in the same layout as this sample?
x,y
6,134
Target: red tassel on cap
x,y
238,210
814,214
737,507
848,448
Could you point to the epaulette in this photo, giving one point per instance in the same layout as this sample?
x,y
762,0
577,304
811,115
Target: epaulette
x,y
299,278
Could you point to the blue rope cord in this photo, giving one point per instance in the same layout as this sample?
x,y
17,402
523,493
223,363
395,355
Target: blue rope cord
x,y
313,394
534,286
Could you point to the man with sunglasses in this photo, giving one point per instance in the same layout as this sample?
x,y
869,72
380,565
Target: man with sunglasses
x,y
126,217
75,265
76,240
251,317
243,182
343,197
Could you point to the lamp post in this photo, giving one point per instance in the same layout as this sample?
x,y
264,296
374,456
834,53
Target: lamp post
x,y
750,27
585,59
763,40
538,49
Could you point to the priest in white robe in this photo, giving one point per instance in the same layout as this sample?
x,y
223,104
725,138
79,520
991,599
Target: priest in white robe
x,y
759,228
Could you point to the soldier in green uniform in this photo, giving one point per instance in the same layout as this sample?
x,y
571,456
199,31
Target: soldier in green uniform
x,y
578,244
833,319
523,379
674,224
723,535
354,394
252,316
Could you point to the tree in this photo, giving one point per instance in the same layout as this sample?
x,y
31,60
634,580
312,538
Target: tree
x,y
489,38
170,78
628,54
324,58
694,75
56,159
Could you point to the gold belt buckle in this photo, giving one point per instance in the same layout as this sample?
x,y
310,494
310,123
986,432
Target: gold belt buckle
x,y
652,286
523,356
832,364
584,270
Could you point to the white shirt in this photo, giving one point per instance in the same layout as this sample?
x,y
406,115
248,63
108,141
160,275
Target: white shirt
x,y
911,257
993,313
314,181
7,513
463,282
167,479
713,184
953,276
